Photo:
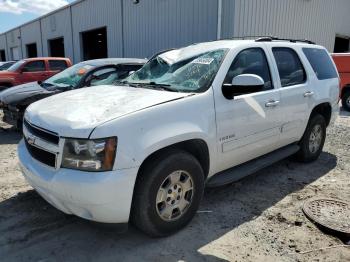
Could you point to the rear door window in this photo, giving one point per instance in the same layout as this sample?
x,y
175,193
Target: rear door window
x,y
321,63
290,68
57,65
35,66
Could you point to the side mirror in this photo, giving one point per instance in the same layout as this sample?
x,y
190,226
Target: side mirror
x,y
243,84
24,70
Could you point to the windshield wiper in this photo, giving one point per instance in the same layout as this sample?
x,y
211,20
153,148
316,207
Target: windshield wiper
x,y
153,85
165,87
126,83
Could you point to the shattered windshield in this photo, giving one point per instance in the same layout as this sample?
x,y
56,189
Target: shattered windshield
x,y
68,78
194,74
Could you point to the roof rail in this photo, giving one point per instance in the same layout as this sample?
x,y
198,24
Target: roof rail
x,y
272,38
246,37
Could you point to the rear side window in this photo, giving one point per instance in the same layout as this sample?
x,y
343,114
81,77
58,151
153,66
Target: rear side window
x,y
57,65
35,66
290,68
321,63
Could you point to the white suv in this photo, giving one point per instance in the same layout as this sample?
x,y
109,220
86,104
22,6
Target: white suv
x,y
204,115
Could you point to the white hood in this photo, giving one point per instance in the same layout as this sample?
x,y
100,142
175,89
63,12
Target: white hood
x,y
76,113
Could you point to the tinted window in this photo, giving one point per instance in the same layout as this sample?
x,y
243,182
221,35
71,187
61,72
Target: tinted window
x,y
16,66
34,66
321,63
104,76
250,61
290,68
125,70
56,65
6,65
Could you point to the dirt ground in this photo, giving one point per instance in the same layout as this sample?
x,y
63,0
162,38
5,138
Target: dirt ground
x,y
256,219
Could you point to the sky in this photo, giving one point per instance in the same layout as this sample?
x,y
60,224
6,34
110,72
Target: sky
x,y
16,12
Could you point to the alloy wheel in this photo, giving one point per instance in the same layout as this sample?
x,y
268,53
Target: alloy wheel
x,y
175,195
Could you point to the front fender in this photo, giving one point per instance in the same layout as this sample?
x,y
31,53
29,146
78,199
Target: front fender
x,y
144,132
165,136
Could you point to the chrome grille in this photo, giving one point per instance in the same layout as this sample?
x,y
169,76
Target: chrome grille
x,y
41,155
42,145
42,133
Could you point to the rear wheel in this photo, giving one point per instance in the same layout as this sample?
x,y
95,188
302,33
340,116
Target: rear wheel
x,y
313,140
346,100
167,193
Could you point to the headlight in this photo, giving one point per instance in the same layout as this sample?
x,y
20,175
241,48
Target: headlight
x,y
89,155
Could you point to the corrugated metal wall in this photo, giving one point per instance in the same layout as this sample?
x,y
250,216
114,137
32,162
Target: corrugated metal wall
x,y
14,41
342,16
227,19
93,14
3,44
317,20
30,34
155,25
55,26
139,30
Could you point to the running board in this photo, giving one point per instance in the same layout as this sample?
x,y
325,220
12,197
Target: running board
x,y
236,173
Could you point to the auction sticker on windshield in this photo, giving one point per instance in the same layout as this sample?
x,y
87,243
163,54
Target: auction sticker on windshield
x,y
203,61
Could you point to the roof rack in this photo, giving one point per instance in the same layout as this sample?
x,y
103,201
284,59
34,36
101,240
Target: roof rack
x,y
272,38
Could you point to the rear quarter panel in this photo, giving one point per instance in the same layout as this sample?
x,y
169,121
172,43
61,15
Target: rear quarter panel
x,y
325,91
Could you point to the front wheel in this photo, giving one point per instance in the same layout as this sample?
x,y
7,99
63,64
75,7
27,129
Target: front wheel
x,y
346,100
167,193
313,140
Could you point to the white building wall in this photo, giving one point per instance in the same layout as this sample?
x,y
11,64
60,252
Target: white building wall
x,y
316,20
152,25
14,43
92,14
30,34
3,44
55,26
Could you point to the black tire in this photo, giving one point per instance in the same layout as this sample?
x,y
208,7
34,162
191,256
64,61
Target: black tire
x,y
144,210
19,125
345,100
305,154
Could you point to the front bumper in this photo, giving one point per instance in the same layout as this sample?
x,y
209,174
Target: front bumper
x,y
102,197
12,117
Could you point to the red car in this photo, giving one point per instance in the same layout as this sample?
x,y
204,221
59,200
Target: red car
x,y
342,62
31,70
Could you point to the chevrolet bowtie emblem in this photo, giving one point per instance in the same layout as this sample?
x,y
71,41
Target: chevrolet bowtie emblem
x,y
31,139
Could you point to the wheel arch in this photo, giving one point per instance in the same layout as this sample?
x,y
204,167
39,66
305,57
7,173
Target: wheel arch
x,y
324,109
196,147
345,89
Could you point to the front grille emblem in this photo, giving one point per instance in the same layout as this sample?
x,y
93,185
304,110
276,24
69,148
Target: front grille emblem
x,y
31,139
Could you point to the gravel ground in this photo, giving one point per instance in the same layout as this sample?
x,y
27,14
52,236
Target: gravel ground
x,y
257,219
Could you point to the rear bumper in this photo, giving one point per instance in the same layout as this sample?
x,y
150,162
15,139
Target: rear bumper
x,y
102,197
335,113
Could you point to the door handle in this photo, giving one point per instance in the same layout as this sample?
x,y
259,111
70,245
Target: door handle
x,y
272,103
308,94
